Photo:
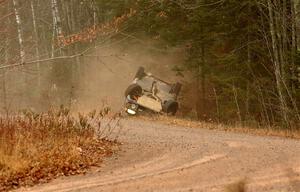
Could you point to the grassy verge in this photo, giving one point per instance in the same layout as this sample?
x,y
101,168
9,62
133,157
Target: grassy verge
x,y
35,148
239,186
263,131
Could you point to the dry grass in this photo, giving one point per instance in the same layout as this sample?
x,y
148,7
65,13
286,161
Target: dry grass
x,y
239,186
263,131
35,148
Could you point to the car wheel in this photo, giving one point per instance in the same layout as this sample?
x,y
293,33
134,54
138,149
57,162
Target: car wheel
x,y
170,107
133,90
140,73
177,88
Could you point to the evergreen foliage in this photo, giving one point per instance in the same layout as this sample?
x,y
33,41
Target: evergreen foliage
x,y
230,49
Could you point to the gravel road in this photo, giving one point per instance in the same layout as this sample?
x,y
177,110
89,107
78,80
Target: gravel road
x,y
159,157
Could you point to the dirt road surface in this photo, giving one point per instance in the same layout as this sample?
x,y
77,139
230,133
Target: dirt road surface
x,y
159,157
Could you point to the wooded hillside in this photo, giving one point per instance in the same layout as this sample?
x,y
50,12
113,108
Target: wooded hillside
x,y
244,54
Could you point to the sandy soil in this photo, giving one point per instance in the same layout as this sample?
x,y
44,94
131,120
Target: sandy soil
x,y
159,157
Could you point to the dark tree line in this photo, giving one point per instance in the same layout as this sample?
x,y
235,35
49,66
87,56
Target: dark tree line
x,y
244,55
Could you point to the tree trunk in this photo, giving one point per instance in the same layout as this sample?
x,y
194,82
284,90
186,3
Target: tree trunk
x,y
284,38
293,44
6,62
95,15
23,78
294,31
37,51
4,92
217,105
19,28
235,94
203,83
57,29
264,109
276,61
296,6
3,73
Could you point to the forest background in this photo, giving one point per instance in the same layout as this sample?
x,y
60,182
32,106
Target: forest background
x,y
239,60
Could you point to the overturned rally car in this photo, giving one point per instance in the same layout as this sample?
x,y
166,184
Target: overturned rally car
x,y
147,92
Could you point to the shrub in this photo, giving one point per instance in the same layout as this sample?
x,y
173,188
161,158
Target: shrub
x,y
35,148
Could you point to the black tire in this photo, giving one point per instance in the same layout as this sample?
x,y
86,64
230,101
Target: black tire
x,y
133,90
170,107
140,73
177,88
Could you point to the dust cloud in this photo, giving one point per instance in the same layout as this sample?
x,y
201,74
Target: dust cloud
x,y
105,73
108,71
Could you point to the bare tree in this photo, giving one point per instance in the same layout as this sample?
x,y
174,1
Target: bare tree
x,y
19,27
36,41
276,60
57,28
